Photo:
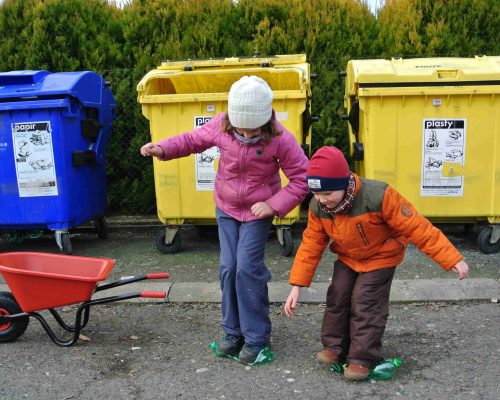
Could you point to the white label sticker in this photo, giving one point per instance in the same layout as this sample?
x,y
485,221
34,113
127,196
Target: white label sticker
x,y
34,158
205,162
314,183
443,144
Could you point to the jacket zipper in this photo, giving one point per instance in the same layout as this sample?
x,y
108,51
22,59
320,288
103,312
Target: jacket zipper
x,y
391,238
362,233
241,178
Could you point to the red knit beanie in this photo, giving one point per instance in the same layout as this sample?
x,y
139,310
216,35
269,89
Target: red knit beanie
x,y
328,170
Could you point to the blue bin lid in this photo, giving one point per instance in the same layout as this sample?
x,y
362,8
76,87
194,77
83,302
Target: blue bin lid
x,y
86,86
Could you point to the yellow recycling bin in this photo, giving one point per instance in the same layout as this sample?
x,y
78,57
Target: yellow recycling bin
x,y
179,96
431,128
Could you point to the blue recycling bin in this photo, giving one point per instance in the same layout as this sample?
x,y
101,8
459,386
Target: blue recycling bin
x,y
54,130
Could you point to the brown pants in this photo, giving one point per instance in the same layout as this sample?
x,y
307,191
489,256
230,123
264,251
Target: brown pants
x,y
357,306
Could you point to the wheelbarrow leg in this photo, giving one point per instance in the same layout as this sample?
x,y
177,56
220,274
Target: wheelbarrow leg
x,y
70,328
84,307
52,335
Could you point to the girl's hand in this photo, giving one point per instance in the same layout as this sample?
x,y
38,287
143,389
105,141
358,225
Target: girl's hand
x,y
462,269
151,149
291,301
262,209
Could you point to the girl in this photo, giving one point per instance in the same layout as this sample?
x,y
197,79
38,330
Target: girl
x,y
253,146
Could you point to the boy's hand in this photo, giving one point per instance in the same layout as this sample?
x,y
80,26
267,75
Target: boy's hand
x,y
462,269
292,300
262,209
151,149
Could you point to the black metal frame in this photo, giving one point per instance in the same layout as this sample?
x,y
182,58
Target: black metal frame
x,y
84,309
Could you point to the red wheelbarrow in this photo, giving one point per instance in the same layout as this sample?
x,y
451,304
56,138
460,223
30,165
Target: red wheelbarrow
x,y
42,281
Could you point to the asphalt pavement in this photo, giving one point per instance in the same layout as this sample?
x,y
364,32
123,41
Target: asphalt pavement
x,y
445,330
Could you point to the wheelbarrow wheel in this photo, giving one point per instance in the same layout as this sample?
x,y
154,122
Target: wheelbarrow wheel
x,y
11,330
171,248
101,227
484,244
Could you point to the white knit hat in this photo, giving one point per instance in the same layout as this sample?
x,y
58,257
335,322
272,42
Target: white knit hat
x,y
250,103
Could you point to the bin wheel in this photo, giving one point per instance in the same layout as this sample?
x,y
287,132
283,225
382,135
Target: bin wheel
x,y
287,246
101,227
171,248
483,241
67,248
15,328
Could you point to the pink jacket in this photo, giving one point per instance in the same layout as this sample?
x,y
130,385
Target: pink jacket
x,y
247,174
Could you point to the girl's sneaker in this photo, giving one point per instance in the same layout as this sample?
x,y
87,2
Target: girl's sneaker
x,y
249,353
230,344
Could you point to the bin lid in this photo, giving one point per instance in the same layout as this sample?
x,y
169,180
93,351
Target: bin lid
x,y
422,72
225,62
287,75
86,86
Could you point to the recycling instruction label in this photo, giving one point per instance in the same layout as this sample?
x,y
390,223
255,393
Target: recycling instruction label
x,y
205,161
34,159
443,146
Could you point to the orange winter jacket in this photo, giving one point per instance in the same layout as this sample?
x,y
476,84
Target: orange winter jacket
x,y
374,234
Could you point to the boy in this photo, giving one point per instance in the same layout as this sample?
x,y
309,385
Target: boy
x,y
369,225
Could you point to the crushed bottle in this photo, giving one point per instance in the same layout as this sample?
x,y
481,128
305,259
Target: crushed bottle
x,y
384,370
265,356
339,367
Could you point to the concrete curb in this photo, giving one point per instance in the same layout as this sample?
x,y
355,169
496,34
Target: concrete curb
x,y
403,291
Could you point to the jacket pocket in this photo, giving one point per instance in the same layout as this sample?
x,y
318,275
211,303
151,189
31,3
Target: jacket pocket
x,y
361,232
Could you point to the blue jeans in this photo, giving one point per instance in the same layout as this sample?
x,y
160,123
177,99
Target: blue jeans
x,y
244,278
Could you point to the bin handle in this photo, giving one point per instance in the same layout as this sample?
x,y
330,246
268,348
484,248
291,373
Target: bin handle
x,y
447,73
22,77
38,103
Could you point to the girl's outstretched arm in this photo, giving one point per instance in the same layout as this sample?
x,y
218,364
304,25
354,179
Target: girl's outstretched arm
x,y
151,149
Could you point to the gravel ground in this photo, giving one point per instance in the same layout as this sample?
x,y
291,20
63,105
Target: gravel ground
x,y
450,351
154,351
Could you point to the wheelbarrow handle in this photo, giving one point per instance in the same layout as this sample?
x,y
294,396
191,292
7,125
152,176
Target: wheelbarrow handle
x,y
159,275
125,280
154,295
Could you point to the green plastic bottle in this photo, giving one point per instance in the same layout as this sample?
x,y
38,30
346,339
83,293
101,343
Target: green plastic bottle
x,y
265,356
385,369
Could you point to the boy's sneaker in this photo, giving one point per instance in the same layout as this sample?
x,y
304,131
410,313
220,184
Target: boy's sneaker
x,y
230,344
356,372
327,356
249,353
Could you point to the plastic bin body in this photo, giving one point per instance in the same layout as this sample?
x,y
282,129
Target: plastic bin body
x,y
54,129
430,128
180,96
